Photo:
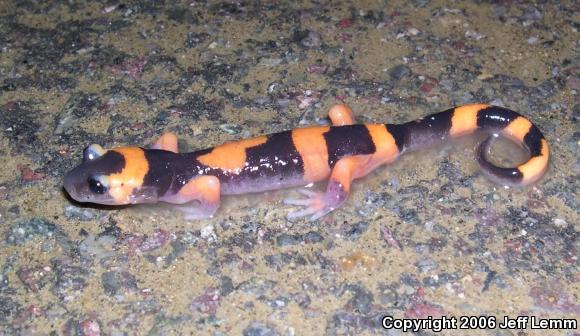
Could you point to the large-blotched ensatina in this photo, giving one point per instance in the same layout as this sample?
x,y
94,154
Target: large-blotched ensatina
x,y
341,153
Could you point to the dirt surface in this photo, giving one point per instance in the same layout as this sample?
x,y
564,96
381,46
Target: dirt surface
x,y
426,236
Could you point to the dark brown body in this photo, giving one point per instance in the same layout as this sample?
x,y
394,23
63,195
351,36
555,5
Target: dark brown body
x,y
341,153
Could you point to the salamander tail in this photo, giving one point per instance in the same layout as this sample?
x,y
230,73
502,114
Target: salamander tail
x,y
519,129
467,119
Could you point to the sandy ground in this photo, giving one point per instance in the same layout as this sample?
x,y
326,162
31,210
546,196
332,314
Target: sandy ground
x,y
426,236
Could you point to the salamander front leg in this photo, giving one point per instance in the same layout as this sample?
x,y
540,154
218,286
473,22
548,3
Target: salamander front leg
x,y
167,141
199,198
319,204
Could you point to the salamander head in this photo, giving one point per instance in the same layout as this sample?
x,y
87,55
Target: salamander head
x,y
111,177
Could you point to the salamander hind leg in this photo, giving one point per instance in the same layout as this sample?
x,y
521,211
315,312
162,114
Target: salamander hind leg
x,y
317,204
199,198
341,115
167,141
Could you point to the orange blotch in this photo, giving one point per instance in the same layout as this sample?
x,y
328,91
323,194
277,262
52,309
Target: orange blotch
x,y
231,155
311,146
518,128
536,166
203,187
386,147
464,119
121,185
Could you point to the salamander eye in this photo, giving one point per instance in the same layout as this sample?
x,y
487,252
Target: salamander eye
x,y
92,152
96,186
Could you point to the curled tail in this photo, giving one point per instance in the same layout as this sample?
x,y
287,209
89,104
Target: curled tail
x,y
468,119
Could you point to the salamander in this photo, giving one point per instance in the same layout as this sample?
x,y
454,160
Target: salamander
x,y
340,153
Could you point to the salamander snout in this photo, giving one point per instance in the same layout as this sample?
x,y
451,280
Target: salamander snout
x,y
70,184
89,182
83,185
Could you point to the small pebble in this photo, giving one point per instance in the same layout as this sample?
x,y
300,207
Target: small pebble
x,y
287,240
559,222
399,71
533,40
259,329
82,214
